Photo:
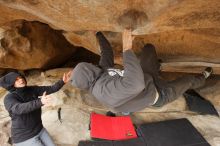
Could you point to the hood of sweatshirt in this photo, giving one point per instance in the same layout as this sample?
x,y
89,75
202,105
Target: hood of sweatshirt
x,y
7,81
84,75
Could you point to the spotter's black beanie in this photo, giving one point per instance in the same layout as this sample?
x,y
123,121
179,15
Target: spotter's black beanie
x,y
8,80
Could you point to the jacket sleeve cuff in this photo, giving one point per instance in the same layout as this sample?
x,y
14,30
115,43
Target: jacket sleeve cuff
x,y
129,51
128,54
39,103
61,82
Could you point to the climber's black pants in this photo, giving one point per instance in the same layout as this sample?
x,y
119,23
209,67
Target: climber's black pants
x,y
168,91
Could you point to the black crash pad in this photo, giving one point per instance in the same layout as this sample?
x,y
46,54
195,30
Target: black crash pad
x,y
178,132
95,143
197,103
130,142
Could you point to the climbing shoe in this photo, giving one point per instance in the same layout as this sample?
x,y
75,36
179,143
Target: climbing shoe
x,y
207,72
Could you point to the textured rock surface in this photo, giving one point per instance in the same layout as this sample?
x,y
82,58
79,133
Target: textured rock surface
x,y
27,45
149,16
181,29
76,107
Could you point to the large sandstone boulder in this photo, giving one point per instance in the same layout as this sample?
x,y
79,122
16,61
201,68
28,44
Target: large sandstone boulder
x,y
38,33
182,30
145,16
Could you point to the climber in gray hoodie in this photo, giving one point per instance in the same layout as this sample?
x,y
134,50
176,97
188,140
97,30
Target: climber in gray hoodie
x,y
138,85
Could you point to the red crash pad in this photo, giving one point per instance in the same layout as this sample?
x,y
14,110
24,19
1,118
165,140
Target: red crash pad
x,y
111,128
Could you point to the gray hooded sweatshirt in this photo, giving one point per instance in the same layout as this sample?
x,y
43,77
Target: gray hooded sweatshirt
x,y
128,93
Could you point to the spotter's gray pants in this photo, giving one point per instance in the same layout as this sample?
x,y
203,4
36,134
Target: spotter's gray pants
x,y
41,139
